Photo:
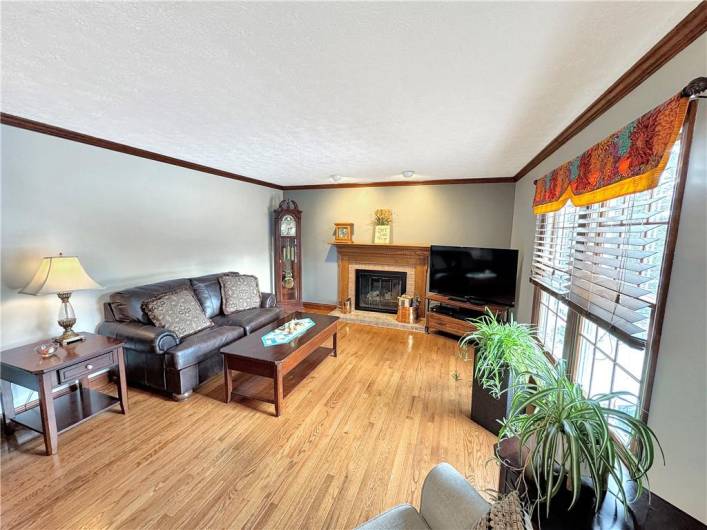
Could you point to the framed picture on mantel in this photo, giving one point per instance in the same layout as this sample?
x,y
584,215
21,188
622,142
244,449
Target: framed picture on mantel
x,y
381,234
343,232
383,218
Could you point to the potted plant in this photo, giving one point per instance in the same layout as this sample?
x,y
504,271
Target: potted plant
x,y
570,444
503,352
571,441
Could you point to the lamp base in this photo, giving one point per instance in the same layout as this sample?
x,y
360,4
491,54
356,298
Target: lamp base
x,y
68,337
67,319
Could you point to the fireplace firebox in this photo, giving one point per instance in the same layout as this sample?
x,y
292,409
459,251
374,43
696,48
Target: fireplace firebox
x,y
379,290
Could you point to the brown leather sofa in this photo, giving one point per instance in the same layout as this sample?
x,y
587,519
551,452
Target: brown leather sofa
x,y
155,358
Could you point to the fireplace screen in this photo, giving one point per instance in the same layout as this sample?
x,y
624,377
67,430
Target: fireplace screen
x,y
379,290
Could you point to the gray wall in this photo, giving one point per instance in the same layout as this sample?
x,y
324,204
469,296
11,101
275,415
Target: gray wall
x,y
130,221
678,411
462,214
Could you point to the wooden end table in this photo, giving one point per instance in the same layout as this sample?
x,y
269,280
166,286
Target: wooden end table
x,y
250,356
74,362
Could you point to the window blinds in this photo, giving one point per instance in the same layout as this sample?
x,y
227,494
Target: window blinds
x,y
553,249
605,260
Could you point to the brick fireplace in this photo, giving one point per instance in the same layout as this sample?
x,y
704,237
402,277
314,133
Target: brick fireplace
x,y
412,260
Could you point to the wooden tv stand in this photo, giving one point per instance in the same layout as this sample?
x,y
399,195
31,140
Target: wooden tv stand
x,y
453,325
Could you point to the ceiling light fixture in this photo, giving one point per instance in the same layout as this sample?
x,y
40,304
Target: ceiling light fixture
x,y
408,174
335,178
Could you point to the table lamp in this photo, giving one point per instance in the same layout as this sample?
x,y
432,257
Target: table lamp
x,y
61,275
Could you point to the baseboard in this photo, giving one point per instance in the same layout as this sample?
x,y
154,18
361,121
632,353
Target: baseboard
x,y
317,306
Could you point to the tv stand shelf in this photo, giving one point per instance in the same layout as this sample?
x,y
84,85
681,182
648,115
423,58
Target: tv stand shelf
x,y
450,314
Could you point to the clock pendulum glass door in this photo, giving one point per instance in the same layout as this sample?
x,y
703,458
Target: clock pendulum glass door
x,y
289,257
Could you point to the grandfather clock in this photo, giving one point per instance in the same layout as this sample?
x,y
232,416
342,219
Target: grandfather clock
x,y
288,256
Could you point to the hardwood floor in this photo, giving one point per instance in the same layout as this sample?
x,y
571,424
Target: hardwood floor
x,y
358,436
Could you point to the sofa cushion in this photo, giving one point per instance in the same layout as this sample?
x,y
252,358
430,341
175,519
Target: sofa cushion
x,y
239,292
178,311
251,319
208,291
127,304
200,346
401,517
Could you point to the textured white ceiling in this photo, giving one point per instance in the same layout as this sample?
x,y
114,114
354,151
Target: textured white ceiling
x,y
294,92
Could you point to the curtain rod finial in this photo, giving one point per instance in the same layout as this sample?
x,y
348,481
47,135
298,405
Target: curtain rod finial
x,y
694,87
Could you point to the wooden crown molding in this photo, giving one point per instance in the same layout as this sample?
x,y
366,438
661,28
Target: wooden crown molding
x,y
67,134
485,180
74,136
682,35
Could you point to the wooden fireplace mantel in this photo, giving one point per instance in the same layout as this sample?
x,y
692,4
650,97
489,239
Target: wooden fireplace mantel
x,y
416,256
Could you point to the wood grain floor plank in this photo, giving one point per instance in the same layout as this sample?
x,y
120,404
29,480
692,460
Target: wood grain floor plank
x,y
358,435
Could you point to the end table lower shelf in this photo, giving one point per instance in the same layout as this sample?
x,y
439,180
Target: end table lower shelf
x,y
70,410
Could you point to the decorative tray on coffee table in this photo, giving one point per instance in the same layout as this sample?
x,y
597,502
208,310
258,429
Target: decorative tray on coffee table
x,y
287,332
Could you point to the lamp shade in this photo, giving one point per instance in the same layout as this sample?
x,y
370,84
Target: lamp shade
x,y
60,274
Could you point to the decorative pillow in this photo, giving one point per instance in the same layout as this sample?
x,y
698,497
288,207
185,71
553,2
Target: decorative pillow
x,y
239,292
178,311
505,514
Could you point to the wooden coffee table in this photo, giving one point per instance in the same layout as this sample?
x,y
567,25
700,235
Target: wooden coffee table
x,y
248,355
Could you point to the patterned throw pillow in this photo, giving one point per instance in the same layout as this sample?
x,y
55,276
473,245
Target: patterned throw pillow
x,y
505,514
239,293
178,311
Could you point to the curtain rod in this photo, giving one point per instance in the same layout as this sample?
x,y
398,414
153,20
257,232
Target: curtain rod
x,y
695,87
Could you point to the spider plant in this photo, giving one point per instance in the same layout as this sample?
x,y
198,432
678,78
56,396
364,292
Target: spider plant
x,y
566,433
501,347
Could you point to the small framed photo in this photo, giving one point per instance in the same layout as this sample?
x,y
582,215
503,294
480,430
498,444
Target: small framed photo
x,y
343,232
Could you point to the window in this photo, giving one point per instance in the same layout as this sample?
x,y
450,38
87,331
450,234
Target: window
x,y
598,360
606,364
597,271
552,321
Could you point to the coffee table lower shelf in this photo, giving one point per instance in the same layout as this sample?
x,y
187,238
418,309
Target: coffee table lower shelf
x,y
70,409
260,388
284,364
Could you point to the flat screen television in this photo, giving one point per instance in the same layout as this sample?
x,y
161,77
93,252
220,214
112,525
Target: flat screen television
x,y
485,275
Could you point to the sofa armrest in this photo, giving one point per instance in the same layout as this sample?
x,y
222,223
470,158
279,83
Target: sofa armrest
x,y
140,337
267,300
449,501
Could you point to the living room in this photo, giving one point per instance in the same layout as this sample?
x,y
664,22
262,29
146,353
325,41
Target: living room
x,y
285,241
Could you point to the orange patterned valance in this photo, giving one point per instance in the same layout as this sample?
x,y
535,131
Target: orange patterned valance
x,y
626,162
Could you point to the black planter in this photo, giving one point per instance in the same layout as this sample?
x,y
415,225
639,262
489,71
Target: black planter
x,y
579,517
486,410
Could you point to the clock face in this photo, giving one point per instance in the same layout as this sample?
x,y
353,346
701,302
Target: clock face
x,y
288,227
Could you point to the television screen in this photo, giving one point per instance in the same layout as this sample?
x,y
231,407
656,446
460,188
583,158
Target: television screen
x,y
479,274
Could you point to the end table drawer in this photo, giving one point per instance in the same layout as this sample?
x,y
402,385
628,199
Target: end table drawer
x,y
71,373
